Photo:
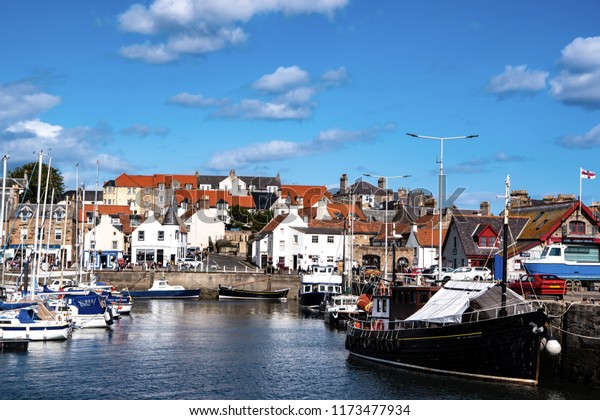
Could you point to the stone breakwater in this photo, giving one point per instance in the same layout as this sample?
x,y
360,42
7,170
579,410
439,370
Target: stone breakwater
x,y
575,321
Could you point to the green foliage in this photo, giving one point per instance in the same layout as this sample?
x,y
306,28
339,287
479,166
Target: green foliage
x,y
244,219
31,169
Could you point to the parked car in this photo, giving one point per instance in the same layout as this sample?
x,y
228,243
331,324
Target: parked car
x,y
191,262
431,273
471,273
540,285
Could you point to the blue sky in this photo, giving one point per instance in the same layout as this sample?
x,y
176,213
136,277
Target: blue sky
x,y
308,89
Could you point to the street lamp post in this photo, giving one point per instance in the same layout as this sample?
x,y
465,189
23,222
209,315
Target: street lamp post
x,y
386,178
441,197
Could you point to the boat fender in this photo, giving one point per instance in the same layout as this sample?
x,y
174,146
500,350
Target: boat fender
x,y
357,325
553,346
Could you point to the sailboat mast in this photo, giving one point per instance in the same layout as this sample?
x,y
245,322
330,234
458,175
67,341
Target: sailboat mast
x,y
37,223
505,248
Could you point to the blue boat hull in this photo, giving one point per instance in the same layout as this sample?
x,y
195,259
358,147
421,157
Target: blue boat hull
x,y
575,271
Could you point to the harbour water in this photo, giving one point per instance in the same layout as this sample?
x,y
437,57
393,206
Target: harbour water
x,y
219,350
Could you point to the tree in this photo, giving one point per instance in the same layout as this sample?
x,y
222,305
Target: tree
x,y
30,170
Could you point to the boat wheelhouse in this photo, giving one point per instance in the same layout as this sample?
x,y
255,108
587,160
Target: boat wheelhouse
x,y
319,285
569,261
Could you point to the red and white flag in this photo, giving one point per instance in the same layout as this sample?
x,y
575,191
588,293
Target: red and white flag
x,y
585,174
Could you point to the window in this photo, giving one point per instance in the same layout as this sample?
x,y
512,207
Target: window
x,y
141,235
59,215
282,245
161,187
315,239
25,215
295,239
330,239
487,241
114,245
555,252
161,235
577,227
23,233
188,186
58,234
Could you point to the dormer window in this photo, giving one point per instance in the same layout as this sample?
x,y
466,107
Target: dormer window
x,y
59,215
25,214
486,237
487,241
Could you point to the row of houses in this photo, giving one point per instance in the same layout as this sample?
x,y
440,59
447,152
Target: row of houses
x,y
159,218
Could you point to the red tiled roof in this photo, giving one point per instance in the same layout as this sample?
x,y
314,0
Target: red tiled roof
x,y
168,180
214,196
307,194
270,227
138,181
428,237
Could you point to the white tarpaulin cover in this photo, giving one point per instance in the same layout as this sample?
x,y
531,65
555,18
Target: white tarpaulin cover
x,y
449,303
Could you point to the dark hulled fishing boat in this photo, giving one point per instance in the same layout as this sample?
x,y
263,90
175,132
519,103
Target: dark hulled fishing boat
x,y
460,331
226,292
468,328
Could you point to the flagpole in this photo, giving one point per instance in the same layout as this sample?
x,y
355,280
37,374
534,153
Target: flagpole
x,y
580,177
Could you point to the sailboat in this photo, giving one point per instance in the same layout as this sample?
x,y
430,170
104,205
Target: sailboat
x,y
468,329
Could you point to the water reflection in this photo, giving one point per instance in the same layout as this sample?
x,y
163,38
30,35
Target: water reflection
x,y
169,349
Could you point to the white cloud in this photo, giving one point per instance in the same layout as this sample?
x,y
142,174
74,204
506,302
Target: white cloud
x,y
290,94
585,141
335,77
155,54
203,26
278,150
254,109
517,80
283,79
196,101
582,54
22,100
579,82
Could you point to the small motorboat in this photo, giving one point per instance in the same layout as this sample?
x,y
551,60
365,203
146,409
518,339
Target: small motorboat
x,y
161,289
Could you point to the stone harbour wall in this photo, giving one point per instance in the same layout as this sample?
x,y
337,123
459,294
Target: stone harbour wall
x,y
576,325
207,282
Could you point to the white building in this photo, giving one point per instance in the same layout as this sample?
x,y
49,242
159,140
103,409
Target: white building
x,y
203,225
159,241
289,242
104,244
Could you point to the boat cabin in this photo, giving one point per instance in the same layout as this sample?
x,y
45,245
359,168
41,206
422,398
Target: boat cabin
x,y
399,302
